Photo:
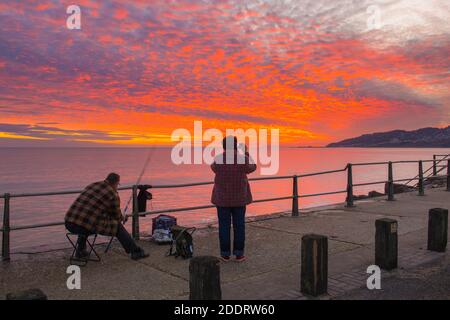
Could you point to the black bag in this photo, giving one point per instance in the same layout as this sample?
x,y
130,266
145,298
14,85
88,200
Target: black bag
x,y
183,242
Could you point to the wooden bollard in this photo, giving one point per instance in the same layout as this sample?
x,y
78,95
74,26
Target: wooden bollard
x,y
31,294
204,278
437,229
314,270
386,243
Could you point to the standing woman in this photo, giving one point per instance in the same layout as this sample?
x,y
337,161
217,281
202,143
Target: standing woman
x,y
231,194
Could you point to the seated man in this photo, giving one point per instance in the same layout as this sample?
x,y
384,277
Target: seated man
x,y
97,210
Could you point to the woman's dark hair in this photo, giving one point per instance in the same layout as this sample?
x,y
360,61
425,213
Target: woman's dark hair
x,y
228,142
113,178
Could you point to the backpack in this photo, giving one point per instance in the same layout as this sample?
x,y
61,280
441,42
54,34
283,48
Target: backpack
x,y
183,242
161,228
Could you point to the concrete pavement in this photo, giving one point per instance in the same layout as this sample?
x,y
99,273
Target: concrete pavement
x,y
272,270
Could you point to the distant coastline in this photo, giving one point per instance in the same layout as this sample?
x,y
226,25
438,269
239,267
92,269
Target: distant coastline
x,y
367,147
421,138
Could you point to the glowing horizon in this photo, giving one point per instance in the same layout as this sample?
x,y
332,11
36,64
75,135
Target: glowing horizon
x,y
137,70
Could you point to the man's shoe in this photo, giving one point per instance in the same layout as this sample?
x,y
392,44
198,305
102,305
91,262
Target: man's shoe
x,y
83,254
240,258
139,254
225,258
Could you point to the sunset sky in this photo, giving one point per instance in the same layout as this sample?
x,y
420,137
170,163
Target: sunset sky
x,y
137,70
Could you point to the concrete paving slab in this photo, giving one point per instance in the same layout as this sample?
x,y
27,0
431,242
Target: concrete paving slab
x,y
406,204
115,277
354,226
262,250
429,281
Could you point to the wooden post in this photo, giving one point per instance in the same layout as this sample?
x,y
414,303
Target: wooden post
x,y
6,229
390,182
421,186
31,294
135,217
295,212
386,243
434,165
314,265
204,278
437,229
349,199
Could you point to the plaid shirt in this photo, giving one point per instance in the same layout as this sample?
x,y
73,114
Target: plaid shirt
x,y
97,209
231,187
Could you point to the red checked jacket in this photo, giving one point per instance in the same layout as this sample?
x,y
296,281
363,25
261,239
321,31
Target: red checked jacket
x,y
97,209
231,187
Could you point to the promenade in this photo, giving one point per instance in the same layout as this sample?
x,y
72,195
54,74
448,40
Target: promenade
x,y
272,269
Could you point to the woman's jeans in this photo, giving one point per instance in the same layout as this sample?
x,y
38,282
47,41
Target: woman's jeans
x,y
227,215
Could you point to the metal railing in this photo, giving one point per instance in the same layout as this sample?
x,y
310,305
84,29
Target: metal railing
x,y
434,169
135,215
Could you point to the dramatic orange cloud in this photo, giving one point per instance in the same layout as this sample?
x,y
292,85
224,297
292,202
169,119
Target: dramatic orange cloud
x,y
137,70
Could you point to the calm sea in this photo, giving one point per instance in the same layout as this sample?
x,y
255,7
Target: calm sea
x,y
55,169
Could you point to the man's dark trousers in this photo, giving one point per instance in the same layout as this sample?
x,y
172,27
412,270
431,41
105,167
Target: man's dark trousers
x,y
123,236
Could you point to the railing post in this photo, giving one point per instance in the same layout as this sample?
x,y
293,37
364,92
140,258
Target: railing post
x,y
448,175
349,199
6,229
295,212
390,182
135,217
421,186
434,165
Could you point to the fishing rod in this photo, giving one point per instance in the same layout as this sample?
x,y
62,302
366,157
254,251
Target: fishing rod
x,y
147,161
